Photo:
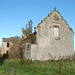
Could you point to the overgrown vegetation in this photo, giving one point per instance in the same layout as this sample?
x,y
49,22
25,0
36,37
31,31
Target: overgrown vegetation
x,y
15,51
29,67
28,28
28,37
0,50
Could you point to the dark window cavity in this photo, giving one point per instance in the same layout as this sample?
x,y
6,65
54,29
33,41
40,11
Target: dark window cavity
x,y
7,44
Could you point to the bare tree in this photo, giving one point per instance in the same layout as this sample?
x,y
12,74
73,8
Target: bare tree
x,y
28,28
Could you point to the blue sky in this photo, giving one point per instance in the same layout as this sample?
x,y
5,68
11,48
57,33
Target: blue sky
x,y
15,14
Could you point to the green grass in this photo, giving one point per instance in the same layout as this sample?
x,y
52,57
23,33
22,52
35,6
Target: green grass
x,y
25,67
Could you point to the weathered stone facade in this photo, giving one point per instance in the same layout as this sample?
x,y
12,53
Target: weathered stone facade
x,y
47,46
6,45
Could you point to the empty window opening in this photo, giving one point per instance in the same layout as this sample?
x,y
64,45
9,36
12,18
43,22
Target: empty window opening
x,y
7,44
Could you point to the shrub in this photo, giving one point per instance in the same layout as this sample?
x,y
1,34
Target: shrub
x,y
15,51
0,50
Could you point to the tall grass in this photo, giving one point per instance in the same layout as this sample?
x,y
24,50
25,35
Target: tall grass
x,y
29,67
15,51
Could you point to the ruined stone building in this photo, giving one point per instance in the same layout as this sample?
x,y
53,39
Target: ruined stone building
x,y
54,39
6,44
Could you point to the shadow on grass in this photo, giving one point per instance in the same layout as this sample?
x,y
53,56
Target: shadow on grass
x,y
3,58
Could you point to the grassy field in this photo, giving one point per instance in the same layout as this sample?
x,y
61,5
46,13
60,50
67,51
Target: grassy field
x,y
25,67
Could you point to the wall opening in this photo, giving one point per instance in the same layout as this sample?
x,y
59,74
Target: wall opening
x,y
7,44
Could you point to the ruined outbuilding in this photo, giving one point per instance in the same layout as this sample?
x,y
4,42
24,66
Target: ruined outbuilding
x,y
7,43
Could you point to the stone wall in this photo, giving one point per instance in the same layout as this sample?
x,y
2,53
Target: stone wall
x,y
47,46
29,51
33,51
5,48
26,51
